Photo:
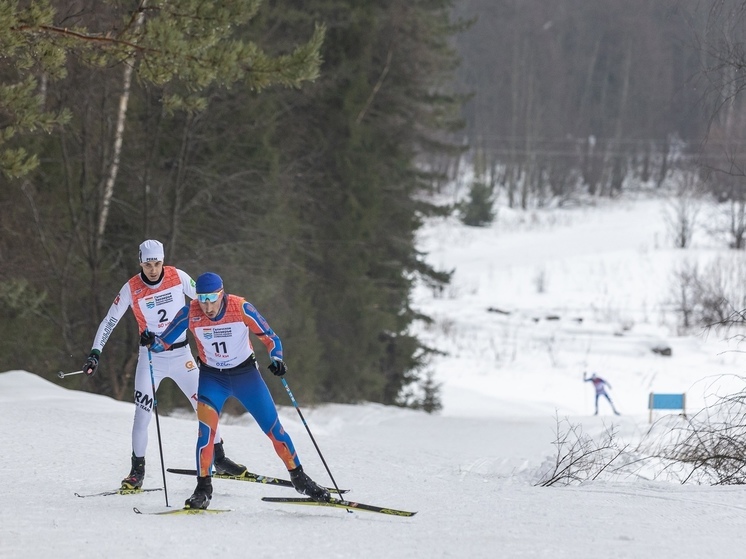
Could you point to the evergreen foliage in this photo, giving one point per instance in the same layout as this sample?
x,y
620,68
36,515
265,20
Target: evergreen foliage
x,y
478,210
274,143
191,42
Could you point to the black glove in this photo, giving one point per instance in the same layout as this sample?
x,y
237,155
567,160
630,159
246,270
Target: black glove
x,y
278,367
147,338
91,364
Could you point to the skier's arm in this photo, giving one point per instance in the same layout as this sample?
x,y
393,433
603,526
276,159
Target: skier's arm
x,y
175,329
120,305
260,327
187,284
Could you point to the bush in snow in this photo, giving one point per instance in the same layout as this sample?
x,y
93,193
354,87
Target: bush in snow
x,y
709,447
579,457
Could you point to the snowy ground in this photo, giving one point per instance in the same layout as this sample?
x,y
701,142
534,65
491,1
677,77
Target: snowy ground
x,y
586,289
470,471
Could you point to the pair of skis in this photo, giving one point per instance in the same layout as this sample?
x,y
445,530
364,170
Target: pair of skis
x,y
268,480
336,503
333,502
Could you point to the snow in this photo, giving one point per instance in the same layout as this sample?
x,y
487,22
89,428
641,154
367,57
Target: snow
x,y
470,471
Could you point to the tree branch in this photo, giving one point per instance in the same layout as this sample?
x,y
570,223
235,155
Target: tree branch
x,y
50,29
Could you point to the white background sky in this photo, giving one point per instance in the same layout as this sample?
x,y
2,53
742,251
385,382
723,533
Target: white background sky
x,y
470,471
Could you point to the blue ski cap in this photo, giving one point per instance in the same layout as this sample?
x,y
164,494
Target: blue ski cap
x,y
209,283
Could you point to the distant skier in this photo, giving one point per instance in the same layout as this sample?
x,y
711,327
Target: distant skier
x,y
599,384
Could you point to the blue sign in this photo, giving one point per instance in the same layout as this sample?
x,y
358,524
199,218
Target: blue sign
x,y
666,401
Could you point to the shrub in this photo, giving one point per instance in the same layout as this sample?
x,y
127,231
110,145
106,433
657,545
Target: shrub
x,y
478,210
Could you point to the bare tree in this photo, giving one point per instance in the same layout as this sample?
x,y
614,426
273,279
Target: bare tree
x,y
708,297
576,94
683,208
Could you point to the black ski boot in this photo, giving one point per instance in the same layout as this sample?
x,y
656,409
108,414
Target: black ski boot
x,y
306,486
137,474
224,465
200,499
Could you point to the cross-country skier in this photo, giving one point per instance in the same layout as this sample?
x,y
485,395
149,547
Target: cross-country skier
x,y
599,384
155,295
220,324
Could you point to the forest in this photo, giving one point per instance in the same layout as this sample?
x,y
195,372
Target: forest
x,y
295,148
589,98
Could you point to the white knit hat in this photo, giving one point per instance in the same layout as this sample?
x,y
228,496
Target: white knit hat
x,y
151,251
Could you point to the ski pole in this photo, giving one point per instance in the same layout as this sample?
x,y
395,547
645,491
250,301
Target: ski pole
x,y
303,419
157,425
63,375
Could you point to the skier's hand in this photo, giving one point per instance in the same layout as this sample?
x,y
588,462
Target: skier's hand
x,y
91,364
147,338
152,342
278,367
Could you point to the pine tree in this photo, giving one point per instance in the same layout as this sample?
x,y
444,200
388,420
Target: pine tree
x,y
193,42
354,138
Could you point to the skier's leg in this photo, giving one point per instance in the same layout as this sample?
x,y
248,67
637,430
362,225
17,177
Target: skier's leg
x,y
252,392
185,374
611,404
212,393
144,401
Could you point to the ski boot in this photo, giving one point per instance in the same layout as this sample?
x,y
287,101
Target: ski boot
x,y
200,499
137,474
306,486
224,465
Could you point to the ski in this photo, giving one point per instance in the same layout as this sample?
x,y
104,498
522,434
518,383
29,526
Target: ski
x,y
248,476
338,503
181,511
119,491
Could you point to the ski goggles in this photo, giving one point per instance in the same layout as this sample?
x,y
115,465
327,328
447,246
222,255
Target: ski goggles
x,y
209,297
